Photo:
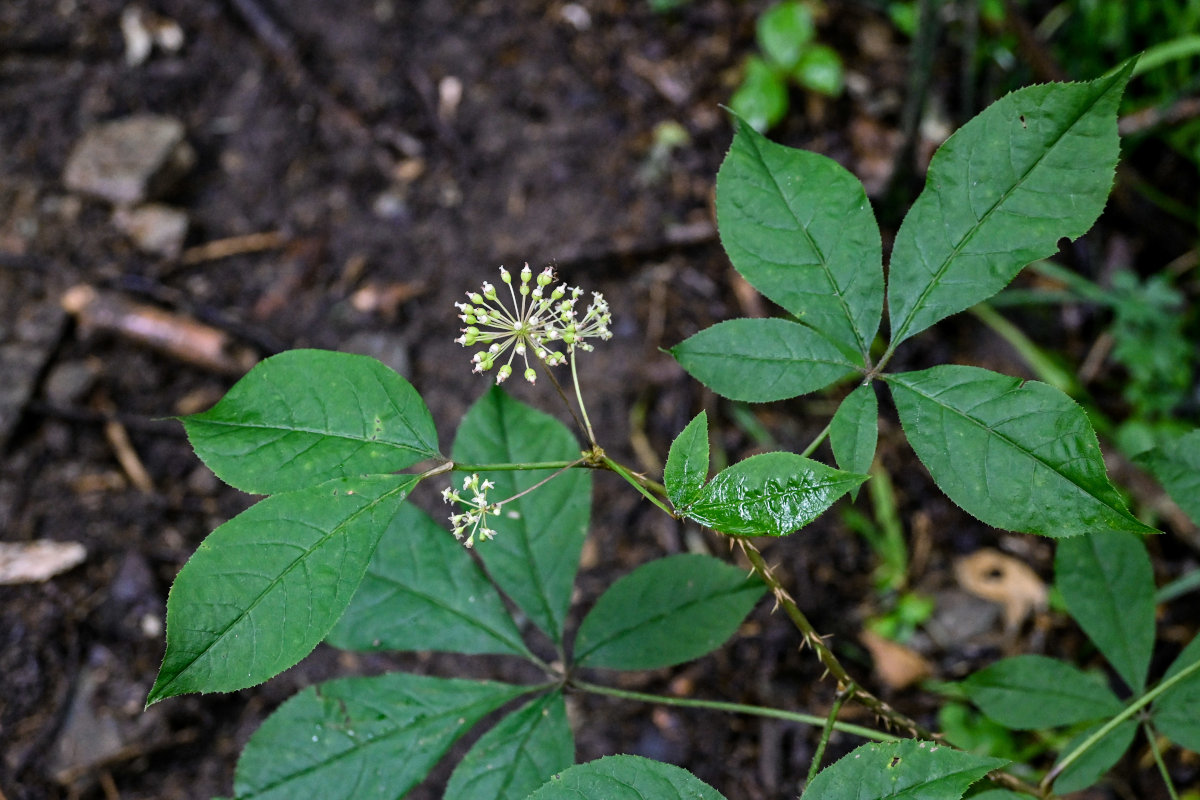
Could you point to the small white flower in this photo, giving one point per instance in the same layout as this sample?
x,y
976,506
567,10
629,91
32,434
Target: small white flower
x,y
471,523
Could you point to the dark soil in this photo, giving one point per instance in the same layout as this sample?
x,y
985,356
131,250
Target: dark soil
x,y
334,127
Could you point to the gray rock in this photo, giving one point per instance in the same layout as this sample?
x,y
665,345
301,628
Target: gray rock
x,y
154,228
131,160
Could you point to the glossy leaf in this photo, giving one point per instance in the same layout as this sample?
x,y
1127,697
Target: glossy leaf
x,y
902,769
760,360
687,462
1107,582
1176,465
1177,710
854,430
264,588
535,555
1092,765
519,754
1033,168
307,416
354,738
800,229
771,494
1031,692
423,591
1016,454
626,778
666,612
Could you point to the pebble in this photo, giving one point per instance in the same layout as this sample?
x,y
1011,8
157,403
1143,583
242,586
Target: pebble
x,y
131,160
154,228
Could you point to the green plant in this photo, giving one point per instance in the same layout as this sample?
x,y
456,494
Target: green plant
x,y
789,55
335,552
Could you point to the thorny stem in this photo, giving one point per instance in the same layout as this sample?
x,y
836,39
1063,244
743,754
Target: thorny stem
x,y
815,766
734,708
833,667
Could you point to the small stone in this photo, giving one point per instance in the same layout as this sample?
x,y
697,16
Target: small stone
x,y
69,381
154,228
131,160
386,347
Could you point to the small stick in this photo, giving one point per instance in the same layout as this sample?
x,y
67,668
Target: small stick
x,y
127,457
233,246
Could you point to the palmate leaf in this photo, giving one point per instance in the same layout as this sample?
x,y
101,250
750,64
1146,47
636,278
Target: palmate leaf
x,y
535,554
903,769
626,778
1031,169
355,738
800,229
519,754
306,416
760,360
1107,582
264,588
666,612
1016,454
423,591
772,494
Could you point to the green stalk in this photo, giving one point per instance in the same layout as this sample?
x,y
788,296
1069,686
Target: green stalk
x,y
633,481
815,766
1152,740
587,423
735,708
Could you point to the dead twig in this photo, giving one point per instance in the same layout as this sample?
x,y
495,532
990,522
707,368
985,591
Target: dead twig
x,y
233,246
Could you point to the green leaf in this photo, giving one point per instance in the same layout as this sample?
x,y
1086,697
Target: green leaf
x,y
306,416
820,69
1001,794
1090,766
264,588
423,591
771,494
522,752
759,360
762,98
1176,465
854,430
362,737
1016,454
666,612
1177,710
901,769
687,462
626,778
800,229
1107,583
1033,168
535,554
784,30
1031,692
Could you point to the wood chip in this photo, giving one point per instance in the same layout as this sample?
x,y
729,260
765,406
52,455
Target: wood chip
x,y
36,561
994,576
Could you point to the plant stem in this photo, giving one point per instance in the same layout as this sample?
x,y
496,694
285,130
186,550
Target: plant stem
x,y
505,467
815,443
635,482
579,399
815,766
540,483
734,708
1152,740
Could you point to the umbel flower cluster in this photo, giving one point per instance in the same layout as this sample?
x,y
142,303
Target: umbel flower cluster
x,y
472,522
544,321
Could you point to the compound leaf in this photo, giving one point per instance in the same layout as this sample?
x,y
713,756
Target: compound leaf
x,y
901,769
666,612
1030,692
1107,582
626,778
519,754
854,430
306,416
362,737
1033,168
1087,769
771,494
800,229
1016,454
423,591
760,360
1177,710
687,462
264,588
535,554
